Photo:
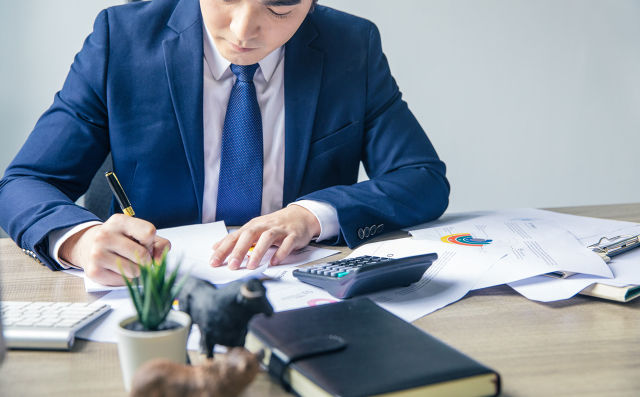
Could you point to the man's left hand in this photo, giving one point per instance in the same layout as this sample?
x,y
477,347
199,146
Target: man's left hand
x,y
290,228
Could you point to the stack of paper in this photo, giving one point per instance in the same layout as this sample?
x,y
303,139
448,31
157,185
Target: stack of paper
x,y
475,250
534,243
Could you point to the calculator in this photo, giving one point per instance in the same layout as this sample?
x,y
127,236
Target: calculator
x,y
364,274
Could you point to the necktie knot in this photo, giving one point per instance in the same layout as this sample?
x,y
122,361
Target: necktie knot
x,y
244,72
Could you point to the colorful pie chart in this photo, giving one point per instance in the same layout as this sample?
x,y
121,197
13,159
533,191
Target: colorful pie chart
x,y
465,239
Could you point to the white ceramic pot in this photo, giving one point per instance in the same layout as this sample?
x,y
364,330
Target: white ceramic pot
x,y
137,347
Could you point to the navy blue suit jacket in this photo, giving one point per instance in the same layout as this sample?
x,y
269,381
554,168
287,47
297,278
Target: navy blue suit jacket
x,y
135,90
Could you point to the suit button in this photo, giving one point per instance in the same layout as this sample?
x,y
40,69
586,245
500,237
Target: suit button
x,y
361,233
380,228
373,230
367,231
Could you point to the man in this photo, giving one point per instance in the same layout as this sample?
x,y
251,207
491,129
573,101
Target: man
x,y
256,112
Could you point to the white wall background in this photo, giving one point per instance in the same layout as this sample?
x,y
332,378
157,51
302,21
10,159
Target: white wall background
x,y
38,40
529,102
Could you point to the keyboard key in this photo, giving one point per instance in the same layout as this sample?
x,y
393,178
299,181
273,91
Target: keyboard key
x,y
26,323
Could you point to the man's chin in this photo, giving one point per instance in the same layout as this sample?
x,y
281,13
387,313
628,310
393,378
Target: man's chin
x,y
244,58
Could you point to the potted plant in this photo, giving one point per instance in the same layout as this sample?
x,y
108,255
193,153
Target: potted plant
x,y
155,331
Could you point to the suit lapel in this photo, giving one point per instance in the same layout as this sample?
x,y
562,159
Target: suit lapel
x,y
183,56
302,78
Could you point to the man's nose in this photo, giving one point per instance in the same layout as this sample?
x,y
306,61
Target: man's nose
x,y
245,24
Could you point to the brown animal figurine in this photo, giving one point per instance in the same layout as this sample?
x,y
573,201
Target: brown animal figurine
x,y
225,376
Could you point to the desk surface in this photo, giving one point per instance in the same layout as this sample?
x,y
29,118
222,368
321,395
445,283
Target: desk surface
x,y
583,346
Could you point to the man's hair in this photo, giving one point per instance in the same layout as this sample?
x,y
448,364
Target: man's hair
x,y
313,4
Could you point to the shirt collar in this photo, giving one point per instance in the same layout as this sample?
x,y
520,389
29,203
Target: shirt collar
x,y
219,65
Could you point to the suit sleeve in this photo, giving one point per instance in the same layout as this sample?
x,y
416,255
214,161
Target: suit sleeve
x,y
68,144
407,184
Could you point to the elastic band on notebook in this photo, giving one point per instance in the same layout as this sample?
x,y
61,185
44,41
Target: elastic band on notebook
x,y
302,349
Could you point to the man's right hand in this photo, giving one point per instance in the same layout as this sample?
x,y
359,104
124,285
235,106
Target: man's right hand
x,y
122,240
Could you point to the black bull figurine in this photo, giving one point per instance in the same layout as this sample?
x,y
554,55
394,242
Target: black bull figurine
x,y
223,314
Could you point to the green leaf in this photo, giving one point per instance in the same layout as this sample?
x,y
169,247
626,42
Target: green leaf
x,y
154,292
146,304
135,293
166,291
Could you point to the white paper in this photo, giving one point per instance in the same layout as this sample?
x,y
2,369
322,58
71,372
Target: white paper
x,y
586,229
297,258
192,246
447,280
625,268
531,242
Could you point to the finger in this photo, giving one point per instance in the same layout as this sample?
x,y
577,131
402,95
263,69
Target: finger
x,y
137,229
267,239
159,245
105,276
245,241
224,249
130,249
109,247
288,244
118,264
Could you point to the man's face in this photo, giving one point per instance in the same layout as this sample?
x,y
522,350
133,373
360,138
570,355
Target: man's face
x,y
245,31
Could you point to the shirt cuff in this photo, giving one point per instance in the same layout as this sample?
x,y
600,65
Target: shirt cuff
x,y
327,217
58,237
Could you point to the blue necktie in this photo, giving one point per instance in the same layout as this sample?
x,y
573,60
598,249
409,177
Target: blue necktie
x,y
240,184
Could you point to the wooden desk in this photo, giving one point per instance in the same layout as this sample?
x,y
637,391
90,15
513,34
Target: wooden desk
x,y
583,346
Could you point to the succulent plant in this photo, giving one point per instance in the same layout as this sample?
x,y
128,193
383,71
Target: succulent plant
x,y
153,292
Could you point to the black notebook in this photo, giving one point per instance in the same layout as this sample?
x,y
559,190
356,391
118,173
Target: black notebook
x,y
356,348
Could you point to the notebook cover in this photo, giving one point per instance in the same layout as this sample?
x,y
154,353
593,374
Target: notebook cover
x,y
383,353
619,294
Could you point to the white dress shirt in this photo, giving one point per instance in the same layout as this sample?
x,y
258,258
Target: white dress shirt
x,y
218,79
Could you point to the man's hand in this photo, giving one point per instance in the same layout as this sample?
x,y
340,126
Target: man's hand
x,y
290,228
121,240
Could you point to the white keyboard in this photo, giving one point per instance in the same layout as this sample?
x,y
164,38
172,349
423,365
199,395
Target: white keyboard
x,y
46,325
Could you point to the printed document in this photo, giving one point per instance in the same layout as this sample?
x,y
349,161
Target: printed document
x,y
625,268
530,244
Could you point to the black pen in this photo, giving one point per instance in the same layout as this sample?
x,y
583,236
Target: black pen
x,y
118,191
